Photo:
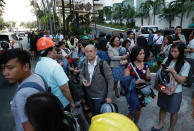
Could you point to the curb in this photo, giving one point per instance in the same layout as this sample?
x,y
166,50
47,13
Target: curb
x,y
109,28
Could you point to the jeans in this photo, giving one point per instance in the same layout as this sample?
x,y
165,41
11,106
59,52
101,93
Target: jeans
x,y
95,105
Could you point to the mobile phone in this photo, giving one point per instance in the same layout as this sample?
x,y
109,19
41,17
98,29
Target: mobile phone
x,y
164,66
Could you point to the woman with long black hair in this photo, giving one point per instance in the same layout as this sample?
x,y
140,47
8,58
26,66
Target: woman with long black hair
x,y
142,42
139,70
179,68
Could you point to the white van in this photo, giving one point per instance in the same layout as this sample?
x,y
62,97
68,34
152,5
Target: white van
x,y
144,30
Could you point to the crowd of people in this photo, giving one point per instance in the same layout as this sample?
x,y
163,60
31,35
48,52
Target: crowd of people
x,y
73,71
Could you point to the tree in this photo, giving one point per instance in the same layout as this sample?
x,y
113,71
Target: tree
x,y
22,24
169,13
2,3
129,13
36,11
108,12
54,14
143,11
3,25
183,7
118,12
63,14
155,6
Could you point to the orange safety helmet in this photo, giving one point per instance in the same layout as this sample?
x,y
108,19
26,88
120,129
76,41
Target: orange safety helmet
x,y
44,43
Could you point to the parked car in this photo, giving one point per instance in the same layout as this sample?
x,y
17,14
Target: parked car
x,y
21,33
4,45
145,30
12,39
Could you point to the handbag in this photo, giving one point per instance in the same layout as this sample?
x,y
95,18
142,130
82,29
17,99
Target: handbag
x,y
145,88
166,89
123,62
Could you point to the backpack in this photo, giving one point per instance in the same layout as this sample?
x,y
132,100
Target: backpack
x,y
102,73
108,107
35,85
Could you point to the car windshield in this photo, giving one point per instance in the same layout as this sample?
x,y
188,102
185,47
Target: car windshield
x,y
145,30
14,37
4,38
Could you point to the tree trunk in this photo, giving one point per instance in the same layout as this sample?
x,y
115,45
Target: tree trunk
x,y
142,21
63,13
49,12
181,22
44,8
154,18
54,17
170,23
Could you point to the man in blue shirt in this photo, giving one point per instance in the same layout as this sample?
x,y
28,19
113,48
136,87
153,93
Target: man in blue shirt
x,y
150,39
15,64
53,73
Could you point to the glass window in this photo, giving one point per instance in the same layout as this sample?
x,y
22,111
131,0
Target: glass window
x,y
4,38
14,37
145,30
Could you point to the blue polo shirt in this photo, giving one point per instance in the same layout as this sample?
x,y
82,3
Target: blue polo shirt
x,y
54,75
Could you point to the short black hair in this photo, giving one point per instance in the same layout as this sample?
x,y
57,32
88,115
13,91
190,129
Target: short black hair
x,y
129,32
151,30
102,34
57,49
101,45
59,44
23,56
158,31
135,52
121,35
46,51
125,42
178,27
112,40
86,42
108,37
170,40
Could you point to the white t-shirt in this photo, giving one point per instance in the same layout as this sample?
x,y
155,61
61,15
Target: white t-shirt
x,y
159,39
190,45
183,72
63,53
59,37
132,42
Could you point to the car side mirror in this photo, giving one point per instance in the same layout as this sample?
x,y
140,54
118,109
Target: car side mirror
x,y
20,39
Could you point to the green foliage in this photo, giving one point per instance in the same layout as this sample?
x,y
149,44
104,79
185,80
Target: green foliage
x,y
154,68
29,25
108,13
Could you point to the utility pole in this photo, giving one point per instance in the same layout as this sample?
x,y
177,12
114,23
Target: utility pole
x,y
50,22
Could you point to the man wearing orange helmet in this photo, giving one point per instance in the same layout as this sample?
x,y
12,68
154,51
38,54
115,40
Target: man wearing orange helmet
x,y
53,72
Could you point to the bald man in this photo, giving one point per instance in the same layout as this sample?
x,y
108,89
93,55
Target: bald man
x,y
98,82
